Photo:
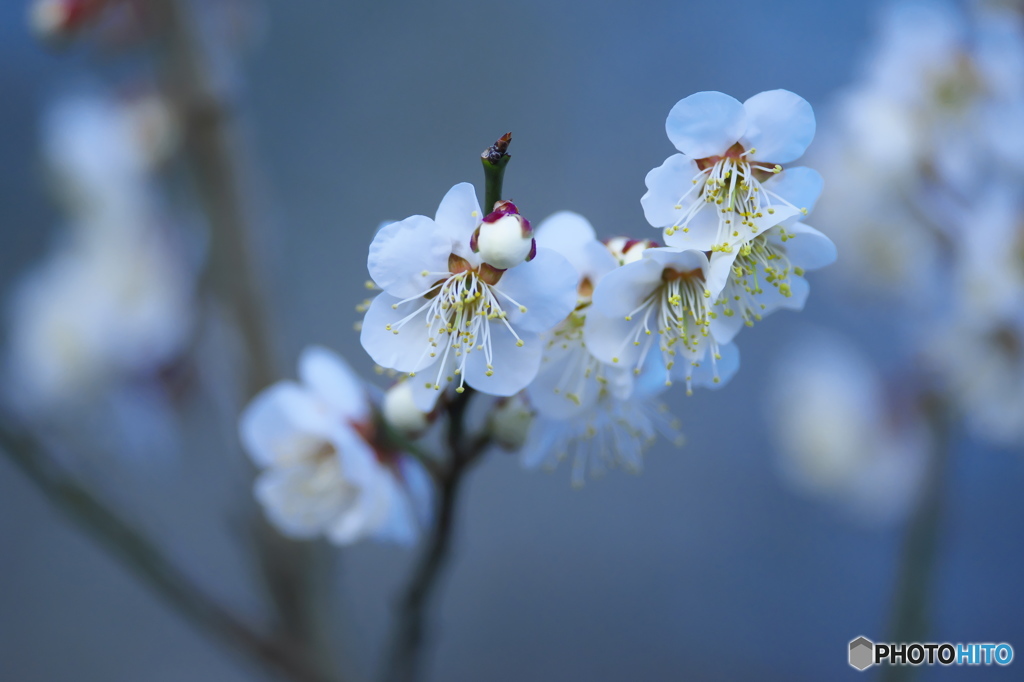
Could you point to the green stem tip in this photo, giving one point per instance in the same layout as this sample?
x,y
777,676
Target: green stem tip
x,y
494,159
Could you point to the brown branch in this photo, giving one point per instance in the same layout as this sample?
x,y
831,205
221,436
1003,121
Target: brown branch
x,y
132,547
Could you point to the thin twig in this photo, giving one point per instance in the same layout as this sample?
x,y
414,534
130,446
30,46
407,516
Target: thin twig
x,y
149,563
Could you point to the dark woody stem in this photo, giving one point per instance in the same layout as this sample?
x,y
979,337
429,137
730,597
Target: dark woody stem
x,y
464,449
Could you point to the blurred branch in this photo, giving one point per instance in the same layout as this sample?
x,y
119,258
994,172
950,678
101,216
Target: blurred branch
x,y
211,151
909,621
134,549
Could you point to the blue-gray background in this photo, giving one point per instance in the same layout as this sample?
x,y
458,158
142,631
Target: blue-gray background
x,y
705,567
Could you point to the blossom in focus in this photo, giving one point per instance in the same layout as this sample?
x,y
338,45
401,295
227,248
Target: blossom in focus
x,y
768,274
446,316
841,436
323,473
660,304
570,378
727,185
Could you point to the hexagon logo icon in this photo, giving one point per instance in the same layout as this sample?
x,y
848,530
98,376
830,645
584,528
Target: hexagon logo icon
x,y
862,653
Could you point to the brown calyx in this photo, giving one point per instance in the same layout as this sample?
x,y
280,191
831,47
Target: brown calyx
x,y
585,289
671,275
487,273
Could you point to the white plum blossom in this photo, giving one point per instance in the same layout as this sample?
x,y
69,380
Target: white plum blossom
x,y
660,304
609,432
570,377
113,300
448,317
983,319
841,435
767,274
727,185
323,472
97,310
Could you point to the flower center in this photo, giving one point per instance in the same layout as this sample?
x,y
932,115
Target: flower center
x,y
757,261
458,310
731,186
579,367
678,310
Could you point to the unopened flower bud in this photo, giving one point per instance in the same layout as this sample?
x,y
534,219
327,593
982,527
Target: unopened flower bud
x,y
628,250
510,422
400,410
505,238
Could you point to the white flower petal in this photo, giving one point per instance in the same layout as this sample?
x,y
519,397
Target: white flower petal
x,y
608,338
701,233
664,203
399,524
545,286
513,367
572,236
458,216
331,379
626,287
706,124
808,249
283,423
719,271
358,460
779,214
560,389
800,186
780,126
724,328
406,351
401,252
294,504
680,260
772,299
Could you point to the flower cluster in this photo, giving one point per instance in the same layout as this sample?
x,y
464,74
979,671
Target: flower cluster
x,y
113,300
929,210
576,339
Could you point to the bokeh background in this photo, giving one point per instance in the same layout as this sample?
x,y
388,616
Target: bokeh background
x,y
705,567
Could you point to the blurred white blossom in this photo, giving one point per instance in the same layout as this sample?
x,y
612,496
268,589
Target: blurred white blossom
x,y
928,208
841,435
113,300
323,470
